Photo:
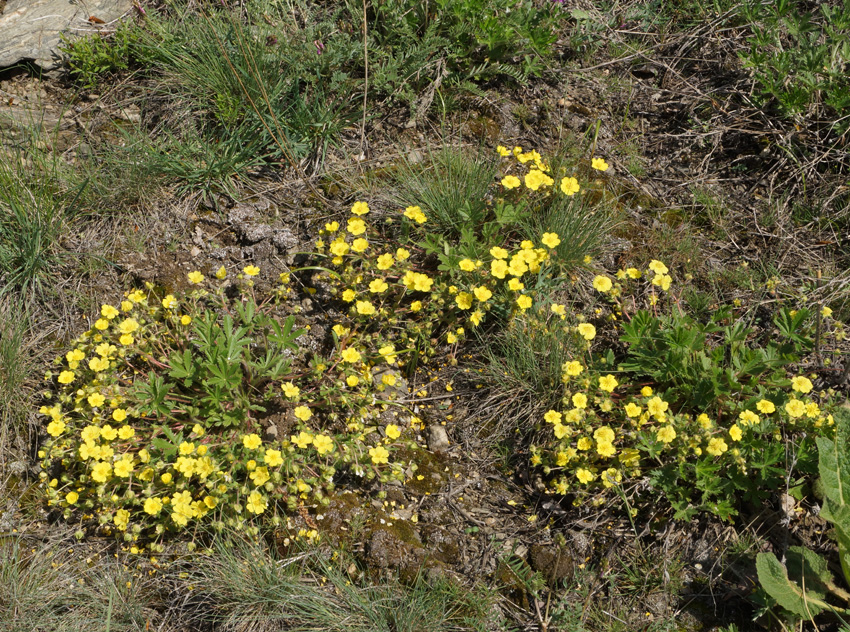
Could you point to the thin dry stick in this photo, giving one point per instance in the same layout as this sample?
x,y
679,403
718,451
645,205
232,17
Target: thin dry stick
x,y
365,81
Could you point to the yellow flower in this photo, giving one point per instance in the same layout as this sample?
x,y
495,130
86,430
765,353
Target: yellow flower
x,y
56,428
101,472
402,253
377,286
252,441
467,265
108,312
95,400
606,450
124,467
518,267
498,253
587,331
379,455
352,381
570,186
716,446
826,312
559,310
511,182
657,406
388,353
303,413
195,277
599,164
272,458
604,435
608,383
795,408
166,478
498,268
801,384
259,476
365,308
553,417
290,390
169,302
302,440
735,433
339,248
360,208
503,151
72,497
611,477
658,267
101,324
666,434
351,355
584,475
415,213
359,245
535,179
389,379
704,421
385,261
602,283
632,410
393,431
524,302
765,406
550,240
572,368
349,295
580,400
416,306
126,432
476,317
257,503
128,326
464,300
516,285
185,319
331,227
323,444
451,338
251,271
220,273
748,418
482,293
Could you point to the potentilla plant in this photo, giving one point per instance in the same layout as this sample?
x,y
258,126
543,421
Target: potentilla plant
x,y
621,423
155,415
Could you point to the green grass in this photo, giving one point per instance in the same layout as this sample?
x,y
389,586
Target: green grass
x,y
250,587
38,197
450,186
17,361
46,587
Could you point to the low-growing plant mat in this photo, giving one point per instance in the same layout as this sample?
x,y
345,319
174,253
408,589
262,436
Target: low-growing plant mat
x,y
478,516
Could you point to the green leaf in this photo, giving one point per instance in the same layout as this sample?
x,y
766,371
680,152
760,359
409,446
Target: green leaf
x,y
774,579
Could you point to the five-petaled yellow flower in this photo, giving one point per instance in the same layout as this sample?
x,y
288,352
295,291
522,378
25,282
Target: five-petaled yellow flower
x,y
599,164
570,186
602,283
511,182
251,271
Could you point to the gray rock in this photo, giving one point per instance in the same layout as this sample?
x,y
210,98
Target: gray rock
x,y
437,438
32,29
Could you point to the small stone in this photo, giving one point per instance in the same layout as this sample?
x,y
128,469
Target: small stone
x,y
437,438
